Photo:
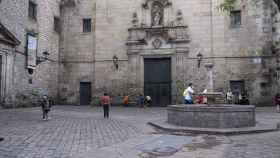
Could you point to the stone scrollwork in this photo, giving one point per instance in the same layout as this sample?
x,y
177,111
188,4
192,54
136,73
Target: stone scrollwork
x,y
165,3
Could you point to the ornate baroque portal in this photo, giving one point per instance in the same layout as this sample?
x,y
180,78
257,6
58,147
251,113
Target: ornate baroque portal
x,y
157,35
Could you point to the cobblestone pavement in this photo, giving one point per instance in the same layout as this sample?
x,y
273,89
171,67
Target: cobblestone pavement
x,y
82,131
71,130
266,145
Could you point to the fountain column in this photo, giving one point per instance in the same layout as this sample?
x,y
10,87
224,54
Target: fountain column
x,y
210,84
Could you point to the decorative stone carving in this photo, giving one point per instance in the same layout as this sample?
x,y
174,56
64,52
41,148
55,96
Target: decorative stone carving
x,y
157,14
179,18
135,21
175,32
157,43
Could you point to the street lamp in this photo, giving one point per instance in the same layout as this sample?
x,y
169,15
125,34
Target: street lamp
x,y
199,59
43,58
39,60
116,62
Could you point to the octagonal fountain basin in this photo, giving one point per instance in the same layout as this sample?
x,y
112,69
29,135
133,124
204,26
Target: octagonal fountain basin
x,y
214,116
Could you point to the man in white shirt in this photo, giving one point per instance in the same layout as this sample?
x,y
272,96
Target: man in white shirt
x,y
188,94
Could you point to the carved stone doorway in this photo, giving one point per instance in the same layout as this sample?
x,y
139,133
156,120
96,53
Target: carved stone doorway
x,y
157,80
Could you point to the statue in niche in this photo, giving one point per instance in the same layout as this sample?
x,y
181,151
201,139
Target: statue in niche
x,y
157,15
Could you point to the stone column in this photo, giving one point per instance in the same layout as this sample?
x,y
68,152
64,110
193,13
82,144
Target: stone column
x,y
210,84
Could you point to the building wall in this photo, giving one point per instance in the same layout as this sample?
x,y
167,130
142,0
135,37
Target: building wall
x,y
76,50
233,51
14,15
242,53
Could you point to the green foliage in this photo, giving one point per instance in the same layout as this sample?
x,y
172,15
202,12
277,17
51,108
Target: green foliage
x,y
180,89
227,5
95,101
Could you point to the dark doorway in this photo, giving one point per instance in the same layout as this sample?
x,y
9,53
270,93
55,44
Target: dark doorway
x,y
0,76
85,93
157,80
237,88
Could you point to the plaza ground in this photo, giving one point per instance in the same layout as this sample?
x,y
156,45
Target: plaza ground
x,y
82,132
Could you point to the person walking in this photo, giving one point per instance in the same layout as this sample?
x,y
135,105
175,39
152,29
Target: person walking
x,y
46,107
188,94
106,102
277,102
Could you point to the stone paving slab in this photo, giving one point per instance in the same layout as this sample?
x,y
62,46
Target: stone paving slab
x,y
259,128
81,132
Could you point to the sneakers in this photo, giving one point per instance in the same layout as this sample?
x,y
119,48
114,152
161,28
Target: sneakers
x,y
44,119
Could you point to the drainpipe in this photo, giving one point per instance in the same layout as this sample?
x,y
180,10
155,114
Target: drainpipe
x,y
211,30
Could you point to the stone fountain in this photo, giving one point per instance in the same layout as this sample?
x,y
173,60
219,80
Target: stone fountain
x,y
212,118
211,115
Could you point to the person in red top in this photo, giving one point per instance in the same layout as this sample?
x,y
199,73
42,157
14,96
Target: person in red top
x,y
277,102
106,102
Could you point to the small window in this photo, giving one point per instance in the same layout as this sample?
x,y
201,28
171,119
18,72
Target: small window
x,y
56,26
86,25
235,18
32,10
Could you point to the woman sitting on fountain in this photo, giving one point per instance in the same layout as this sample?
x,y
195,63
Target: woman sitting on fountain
x,y
188,94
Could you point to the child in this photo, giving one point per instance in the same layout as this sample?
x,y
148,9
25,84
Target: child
x,y
46,107
277,102
125,100
148,100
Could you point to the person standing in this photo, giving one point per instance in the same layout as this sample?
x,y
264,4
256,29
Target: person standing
x,y
46,107
125,100
106,102
141,100
277,102
229,97
188,94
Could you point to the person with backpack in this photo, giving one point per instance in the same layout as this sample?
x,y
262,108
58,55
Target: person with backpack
x,y
46,107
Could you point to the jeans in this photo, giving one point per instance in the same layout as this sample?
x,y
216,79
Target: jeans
x,y
106,111
45,113
188,101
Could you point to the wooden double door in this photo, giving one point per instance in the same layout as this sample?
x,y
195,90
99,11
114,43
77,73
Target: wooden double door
x,y
157,80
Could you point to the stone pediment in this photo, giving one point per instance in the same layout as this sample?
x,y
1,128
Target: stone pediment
x,y
7,37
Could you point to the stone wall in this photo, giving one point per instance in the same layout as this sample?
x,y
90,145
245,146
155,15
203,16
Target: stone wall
x,y
233,51
242,53
19,90
76,50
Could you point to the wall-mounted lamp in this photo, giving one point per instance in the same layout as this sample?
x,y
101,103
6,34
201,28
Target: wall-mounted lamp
x,y
199,59
116,62
43,58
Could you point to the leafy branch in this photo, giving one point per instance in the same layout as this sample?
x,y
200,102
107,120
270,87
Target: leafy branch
x,y
227,5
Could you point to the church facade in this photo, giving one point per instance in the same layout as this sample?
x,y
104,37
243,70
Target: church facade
x,y
150,47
